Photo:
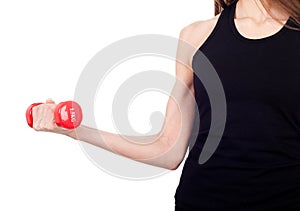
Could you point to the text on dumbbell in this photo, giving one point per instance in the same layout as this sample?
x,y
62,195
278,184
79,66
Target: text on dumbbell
x,y
73,115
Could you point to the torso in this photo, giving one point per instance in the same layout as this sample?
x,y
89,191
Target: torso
x,y
256,164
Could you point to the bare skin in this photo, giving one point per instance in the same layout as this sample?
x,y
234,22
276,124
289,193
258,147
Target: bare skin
x,y
167,148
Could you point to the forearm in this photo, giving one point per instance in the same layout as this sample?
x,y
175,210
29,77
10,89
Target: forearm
x,y
153,149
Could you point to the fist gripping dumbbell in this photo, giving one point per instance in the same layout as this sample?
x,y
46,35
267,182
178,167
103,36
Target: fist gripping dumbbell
x,y
67,114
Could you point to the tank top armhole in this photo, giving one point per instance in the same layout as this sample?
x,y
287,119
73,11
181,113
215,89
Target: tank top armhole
x,y
210,36
213,32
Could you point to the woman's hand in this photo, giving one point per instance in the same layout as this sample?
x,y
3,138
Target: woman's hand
x,y
43,118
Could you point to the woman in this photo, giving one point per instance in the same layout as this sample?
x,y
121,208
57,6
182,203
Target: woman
x,y
254,46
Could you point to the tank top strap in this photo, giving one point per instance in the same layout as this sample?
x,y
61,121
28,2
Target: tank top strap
x,y
222,26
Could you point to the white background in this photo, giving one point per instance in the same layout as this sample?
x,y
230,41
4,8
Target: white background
x,y
44,46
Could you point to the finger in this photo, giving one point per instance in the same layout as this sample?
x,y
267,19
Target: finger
x,y
36,117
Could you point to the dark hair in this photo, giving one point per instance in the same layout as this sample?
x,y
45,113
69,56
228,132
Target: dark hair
x,y
291,7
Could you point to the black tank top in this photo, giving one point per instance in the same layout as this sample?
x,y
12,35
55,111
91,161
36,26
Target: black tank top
x,y
256,166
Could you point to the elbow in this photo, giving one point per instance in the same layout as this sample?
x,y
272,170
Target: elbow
x,y
173,168
174,164
172,153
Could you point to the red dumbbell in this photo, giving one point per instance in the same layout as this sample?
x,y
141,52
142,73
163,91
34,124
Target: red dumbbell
x,y
67,114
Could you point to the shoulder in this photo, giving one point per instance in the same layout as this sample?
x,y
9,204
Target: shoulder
x,y
194,35
197,32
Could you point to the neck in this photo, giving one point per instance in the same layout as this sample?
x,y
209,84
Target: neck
x,y
255,10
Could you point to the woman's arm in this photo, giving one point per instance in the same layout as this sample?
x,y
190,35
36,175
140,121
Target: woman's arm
x,y
165,149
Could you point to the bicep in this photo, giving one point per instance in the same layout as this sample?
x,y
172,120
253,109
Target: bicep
x,y
185,52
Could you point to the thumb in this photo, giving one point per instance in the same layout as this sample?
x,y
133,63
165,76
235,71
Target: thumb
x,y
50,101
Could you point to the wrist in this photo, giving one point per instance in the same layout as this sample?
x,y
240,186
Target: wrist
x,y
70,133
